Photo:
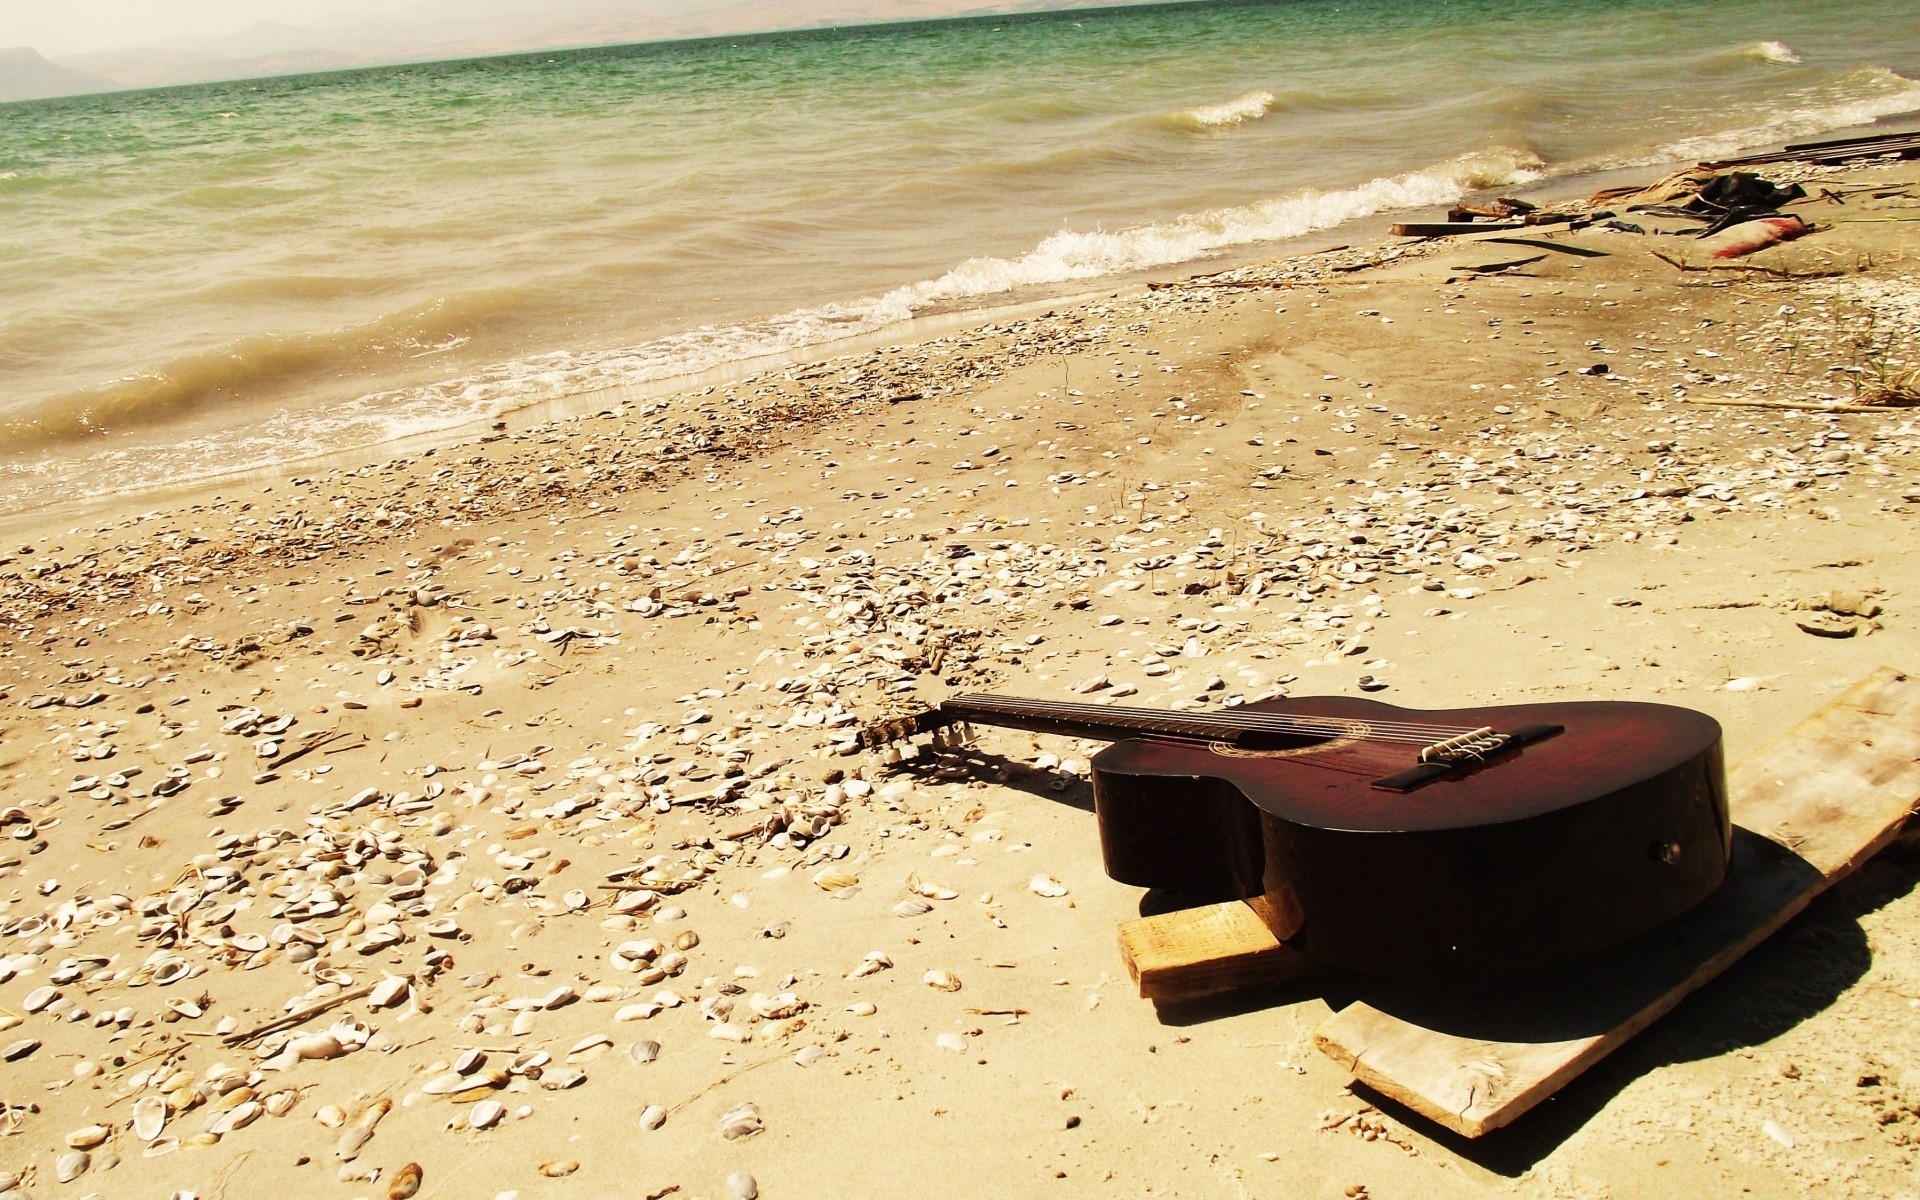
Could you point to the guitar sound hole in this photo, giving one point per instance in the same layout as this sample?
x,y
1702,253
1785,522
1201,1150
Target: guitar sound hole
x,y
1267,742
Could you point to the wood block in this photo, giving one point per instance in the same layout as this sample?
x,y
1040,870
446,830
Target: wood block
x,y
1475,1055
1201,951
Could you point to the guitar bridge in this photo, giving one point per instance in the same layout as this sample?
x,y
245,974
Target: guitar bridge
x,y
1463,750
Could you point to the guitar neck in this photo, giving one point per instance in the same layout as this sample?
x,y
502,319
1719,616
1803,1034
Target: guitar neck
x,y
1107,723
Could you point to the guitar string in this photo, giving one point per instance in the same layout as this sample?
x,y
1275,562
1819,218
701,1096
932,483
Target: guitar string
x,y
1294,727
981,700
1259,721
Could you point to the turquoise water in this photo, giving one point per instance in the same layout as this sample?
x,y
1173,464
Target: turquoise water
x,y
200,278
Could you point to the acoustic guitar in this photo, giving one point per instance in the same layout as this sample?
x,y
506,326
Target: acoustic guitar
x,y
1392,840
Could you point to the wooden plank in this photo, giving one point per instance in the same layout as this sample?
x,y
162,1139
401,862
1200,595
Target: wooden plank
x,y
1428,229
1475,1055
1202,951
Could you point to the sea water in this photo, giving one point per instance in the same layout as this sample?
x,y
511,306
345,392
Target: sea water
x,y
207,278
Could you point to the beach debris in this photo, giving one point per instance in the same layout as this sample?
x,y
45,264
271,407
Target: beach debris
x,y
742,1186
405,1182
1738,241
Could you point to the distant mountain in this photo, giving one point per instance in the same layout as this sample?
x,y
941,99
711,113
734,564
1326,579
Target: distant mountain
x,y
24,75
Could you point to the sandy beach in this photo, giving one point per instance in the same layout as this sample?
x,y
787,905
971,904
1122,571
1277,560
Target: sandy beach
x,y
519,770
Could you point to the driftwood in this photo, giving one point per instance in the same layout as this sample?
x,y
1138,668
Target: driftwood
x,y
298,1016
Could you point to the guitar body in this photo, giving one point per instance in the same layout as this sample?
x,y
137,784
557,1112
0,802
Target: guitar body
x,y
1607,828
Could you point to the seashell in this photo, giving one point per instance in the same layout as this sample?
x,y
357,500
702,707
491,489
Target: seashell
x,y
162,1146
39,998
238,1117
442,927
280,1103
653,1116
635,902
202,1139
875,962
149,1117
185,1007
592,1041
531,1061
71,1165
172,972
941,980
560,1168
388,992
562,1079
20,1049
776,1008
742,1120
406,1181
806,1056
742,1186
912,908
445,1085
833,879
88,1136
686,939
931,891
485,1114
951,1041
559,997
644,1051
316,1046
727,1031
470,1061
600,993
331,1115
250,943
522,1023
1046,885
577,899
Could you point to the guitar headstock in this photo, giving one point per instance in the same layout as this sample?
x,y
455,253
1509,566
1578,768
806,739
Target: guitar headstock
x,y
947,731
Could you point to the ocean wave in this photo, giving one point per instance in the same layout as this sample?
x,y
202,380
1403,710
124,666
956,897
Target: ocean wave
x,y
181,389
1071,255
257,368
1860,97
1778,53
1243,108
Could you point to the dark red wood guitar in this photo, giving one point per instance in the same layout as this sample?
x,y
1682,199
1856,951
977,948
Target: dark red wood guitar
x,y
1385,839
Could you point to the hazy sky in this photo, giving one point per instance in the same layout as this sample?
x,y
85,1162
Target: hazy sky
x,y
77,26
57,27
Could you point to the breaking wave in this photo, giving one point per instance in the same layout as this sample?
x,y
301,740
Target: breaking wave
x,y
1778,53
1237,111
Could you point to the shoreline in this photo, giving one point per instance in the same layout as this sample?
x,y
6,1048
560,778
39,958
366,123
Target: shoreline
x,y
548,727
1551,188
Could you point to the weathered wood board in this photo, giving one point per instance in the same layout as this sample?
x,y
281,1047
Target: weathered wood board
x,y
1203,951
1810,809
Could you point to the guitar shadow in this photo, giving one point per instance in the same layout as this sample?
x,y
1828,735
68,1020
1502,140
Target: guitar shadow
x,y
1061,787
1793,975
1796,974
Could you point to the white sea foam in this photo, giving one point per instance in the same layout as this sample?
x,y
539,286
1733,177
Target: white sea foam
x,y
1778,53
1888,95
1249,107
1071,255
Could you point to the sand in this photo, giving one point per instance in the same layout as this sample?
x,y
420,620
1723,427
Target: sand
x,y
548,722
